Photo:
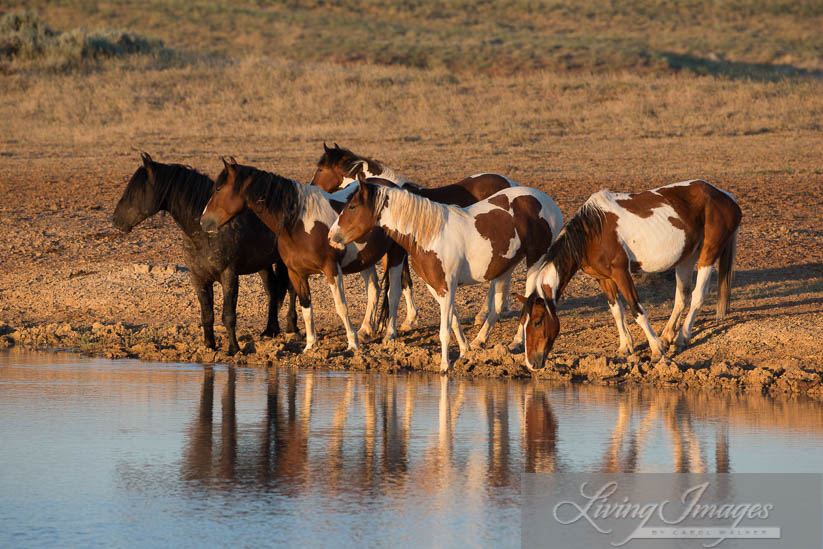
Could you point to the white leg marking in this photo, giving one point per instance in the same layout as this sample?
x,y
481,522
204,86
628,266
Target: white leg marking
x,y
701,288
308,321
626,342
342,310
654,342
683,273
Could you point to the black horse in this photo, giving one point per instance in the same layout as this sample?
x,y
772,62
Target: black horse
x,y
243,246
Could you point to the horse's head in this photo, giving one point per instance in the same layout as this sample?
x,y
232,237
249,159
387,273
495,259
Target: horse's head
x,y
334,167
141,199
538,319
227,199
359,215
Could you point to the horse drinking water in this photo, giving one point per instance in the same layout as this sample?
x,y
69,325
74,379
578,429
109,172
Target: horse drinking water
x,y
242,247
678,225
449,246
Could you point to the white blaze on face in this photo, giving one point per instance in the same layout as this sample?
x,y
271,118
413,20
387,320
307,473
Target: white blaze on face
x,y
335,228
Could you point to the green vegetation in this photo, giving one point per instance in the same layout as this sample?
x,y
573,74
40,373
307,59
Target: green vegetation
x,y
26,42
762,39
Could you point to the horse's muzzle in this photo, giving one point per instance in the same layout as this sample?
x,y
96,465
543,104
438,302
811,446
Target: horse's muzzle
x,y
208,223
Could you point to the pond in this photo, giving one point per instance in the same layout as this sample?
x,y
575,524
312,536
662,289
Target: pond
x,y
102,453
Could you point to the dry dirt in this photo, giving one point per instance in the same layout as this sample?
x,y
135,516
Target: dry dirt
x,y
69,280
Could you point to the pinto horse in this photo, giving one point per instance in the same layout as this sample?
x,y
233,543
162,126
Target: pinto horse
x,y
338,168
449,246
614,233
242,247
301,215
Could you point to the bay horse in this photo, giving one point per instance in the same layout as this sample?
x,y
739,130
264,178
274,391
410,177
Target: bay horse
x,y
449,245
300,215
678,225
338,168
242,247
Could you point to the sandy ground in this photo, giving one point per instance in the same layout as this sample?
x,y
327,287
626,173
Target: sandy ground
x,y
68,279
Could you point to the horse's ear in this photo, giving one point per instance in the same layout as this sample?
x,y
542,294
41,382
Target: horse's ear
x,y
147,161
233,161
336,146
326,149
521,298
361,179
228,164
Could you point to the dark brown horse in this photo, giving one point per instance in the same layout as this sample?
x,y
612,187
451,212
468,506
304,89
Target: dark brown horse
x,y
242,247
301,215
612,234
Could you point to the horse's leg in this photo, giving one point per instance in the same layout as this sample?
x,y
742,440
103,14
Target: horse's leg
x,y
335,279
446,312
229,281
395,281
457,329
701,288
281,272
408,295
483,313
505,307
275,291
301,289
494,299
683,274
623,278
369,276
205,295
610,289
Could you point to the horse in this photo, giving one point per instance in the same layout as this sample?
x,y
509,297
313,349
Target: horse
x,y
301,215
449,245
338,168
612,234
242,247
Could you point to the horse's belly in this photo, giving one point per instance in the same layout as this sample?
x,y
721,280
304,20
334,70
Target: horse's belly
x,y
654,244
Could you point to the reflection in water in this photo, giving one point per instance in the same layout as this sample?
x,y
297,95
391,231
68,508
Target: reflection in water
x,y
192,452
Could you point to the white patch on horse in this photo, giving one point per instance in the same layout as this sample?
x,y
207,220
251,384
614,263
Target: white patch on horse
x,y
549,277
652,242
314,207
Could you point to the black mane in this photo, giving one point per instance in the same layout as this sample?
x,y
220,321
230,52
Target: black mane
x,y
274,193
350,161
179,189
568,251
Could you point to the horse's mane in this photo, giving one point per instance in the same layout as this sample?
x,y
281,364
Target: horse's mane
x,y
352,164
568,251
181,188
285,198
412,215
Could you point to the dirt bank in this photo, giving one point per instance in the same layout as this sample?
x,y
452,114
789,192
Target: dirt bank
x,y
69,280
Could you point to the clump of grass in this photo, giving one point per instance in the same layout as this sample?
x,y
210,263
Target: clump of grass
x,y
26,43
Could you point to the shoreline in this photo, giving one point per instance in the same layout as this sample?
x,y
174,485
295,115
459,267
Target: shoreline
x,y
786,378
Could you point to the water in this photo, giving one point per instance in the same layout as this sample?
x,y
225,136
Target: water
x,y
98,453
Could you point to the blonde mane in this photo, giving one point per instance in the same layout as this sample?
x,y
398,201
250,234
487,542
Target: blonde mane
x,y
413,215
313,202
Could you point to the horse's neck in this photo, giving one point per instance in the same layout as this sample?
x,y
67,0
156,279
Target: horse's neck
x,y
555,276
421,219
185,208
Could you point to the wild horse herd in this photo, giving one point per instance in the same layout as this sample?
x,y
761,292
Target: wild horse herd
x,y
357,212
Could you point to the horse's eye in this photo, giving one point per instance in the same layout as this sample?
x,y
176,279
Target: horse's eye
x,y
352,206
538,322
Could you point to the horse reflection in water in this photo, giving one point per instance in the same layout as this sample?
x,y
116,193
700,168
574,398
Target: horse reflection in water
x,y
379,435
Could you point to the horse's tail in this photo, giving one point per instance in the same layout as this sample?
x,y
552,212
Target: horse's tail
x,y
725,270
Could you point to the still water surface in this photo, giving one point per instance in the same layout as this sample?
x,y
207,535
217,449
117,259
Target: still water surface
x,y
98,453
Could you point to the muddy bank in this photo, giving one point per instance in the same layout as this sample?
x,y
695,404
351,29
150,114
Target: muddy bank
x,y
177,344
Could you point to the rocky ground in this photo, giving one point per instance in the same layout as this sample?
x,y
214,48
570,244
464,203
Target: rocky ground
x,y
69,280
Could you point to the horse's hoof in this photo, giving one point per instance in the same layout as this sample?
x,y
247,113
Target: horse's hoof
x,y
233,350
479,320
625,352
291,328
444,369
270,333
409,325
479,344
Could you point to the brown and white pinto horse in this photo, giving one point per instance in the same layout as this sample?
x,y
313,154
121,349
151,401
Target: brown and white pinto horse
x,y
449,246
338,168
300,216
612,234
